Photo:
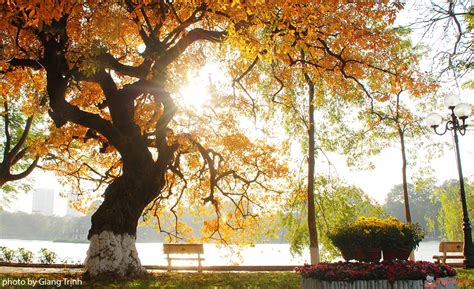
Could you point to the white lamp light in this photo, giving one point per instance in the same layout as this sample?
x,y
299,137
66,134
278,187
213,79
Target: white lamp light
x,y
451,100
462,110
434,119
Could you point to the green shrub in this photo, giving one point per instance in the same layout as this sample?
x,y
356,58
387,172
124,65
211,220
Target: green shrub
x,y
24,256
47,256
6,254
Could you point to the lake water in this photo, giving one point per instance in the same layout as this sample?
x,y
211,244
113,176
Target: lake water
x,y
152,253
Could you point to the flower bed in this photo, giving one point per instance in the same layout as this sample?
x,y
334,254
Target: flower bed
x,y
391,271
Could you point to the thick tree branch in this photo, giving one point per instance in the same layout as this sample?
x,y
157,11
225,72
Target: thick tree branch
x,y
58,78
19,156
23,137
8,137
196,16
212,171
11,156
142,86
25,173
169,110
194,35
23,62
96,122
107,60
131,7
121,105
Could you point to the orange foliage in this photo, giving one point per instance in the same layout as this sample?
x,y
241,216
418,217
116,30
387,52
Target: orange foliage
x,y
116,96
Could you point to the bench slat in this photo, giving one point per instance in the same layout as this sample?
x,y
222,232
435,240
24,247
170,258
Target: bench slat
x,y
449,256
184,258
183,248
451,246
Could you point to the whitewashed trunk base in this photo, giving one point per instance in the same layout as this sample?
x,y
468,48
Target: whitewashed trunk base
x,y
314,255
308,283
111,254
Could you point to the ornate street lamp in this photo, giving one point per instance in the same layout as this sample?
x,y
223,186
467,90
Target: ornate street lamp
x,y
456,122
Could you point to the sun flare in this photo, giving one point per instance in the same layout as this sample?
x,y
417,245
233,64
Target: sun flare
x,y
197,93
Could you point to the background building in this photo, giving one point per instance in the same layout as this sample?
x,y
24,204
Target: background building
x,y
43,202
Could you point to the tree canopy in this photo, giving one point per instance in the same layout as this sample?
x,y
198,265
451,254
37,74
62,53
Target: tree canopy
x,y
112,70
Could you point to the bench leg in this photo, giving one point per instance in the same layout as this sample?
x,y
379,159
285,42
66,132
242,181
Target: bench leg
x,y
169,262
199,263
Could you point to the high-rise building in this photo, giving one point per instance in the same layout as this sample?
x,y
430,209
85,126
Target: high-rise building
x,y
43,202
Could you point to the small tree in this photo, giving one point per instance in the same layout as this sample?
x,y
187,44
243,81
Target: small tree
x,y
22,105
450,216
336,204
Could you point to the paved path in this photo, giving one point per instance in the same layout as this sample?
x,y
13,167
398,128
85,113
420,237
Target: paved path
x,y
30,270
65,270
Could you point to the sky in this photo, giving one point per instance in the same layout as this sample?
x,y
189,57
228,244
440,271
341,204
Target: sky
x,y
376,183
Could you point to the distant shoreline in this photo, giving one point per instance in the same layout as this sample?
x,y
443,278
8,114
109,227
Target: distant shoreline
x,y
71,241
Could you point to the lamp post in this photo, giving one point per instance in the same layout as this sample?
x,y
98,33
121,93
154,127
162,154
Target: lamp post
x,y
456,123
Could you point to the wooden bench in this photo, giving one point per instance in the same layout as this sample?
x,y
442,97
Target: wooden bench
x,y
449,247
180,249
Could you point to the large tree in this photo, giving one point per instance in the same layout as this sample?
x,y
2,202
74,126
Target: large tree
x,y
110,98
115,99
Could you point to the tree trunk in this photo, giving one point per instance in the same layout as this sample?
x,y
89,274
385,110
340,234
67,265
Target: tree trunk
x,y
112,252
405,183
112,255
404,176
313,233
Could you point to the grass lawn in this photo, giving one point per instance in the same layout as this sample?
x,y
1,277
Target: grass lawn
x,y
185,280
465,279
287,280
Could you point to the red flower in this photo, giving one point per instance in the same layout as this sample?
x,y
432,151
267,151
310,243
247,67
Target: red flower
x,y
391,271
